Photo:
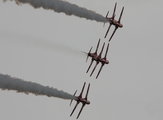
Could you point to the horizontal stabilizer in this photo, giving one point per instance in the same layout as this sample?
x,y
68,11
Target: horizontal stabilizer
x,y
72,99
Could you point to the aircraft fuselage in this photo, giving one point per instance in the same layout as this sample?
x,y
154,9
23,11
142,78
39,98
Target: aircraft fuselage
x,y
115,22
93,56
104,61
82,100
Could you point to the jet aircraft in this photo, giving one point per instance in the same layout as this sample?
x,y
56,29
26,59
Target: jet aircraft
x,y
114,22
103,61
79,99
92,55
98,59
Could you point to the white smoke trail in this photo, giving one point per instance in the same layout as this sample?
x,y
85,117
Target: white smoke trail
x,y
65,7
10,83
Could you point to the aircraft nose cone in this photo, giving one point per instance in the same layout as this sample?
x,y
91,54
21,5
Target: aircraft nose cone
x,y
107,62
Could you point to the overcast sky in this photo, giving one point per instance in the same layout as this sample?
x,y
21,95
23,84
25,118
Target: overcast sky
x,y
45,47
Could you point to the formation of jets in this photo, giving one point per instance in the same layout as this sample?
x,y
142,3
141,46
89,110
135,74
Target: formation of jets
x,y
97,57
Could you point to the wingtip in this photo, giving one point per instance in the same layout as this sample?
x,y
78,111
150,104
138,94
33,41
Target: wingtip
x,y
115,3
84,83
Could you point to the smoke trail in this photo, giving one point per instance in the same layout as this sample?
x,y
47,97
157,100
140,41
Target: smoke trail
x,y
65,7
10,83
40,42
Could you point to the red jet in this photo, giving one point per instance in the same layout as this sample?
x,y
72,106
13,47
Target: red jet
x,y
114,22
98,59
79,99
92,55
103,61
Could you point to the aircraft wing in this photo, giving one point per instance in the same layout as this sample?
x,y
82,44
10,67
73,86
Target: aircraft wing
x,y
87,91
74,108
82,90
106,51
120,15
97,46
113,33
90,65
107,30
99,70
97,62
114,10
80,110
